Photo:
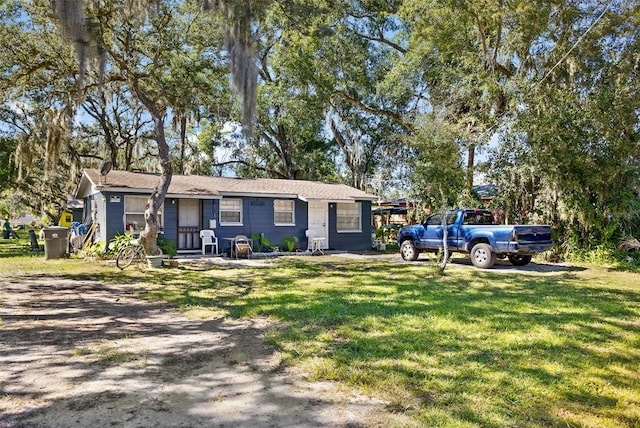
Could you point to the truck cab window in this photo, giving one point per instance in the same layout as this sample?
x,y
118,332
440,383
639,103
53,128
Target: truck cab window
x,y
434,220
469,218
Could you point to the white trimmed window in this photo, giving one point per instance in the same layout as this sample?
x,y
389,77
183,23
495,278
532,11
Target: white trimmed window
x,y
349,217
231,212
134,207
284,212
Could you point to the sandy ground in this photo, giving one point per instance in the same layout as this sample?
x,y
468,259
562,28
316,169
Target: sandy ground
x,y
87,354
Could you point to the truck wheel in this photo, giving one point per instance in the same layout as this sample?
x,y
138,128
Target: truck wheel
x,y
482,257
408,251
518,260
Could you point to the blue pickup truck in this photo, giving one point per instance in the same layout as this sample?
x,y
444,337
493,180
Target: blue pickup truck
x,y
472,231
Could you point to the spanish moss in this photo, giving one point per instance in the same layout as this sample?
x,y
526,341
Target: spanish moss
x,y
239,44
70,14
56,121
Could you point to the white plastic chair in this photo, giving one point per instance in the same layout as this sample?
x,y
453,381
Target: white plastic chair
x,y
209,239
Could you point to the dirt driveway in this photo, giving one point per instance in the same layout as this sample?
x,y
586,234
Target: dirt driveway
x,y
87,354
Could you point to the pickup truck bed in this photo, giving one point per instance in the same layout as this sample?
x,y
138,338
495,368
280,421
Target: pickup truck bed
x,y
472,231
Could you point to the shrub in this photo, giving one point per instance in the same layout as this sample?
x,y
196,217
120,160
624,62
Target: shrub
x,y
262,243
290,242
119,242
167,247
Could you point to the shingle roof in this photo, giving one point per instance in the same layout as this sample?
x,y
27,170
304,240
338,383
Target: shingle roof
x,y
216,187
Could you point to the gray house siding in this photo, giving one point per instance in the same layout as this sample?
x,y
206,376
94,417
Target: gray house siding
x,y
115,214
209,207
357,241
86,210
105,201
258,218
77,214
170,231
114,218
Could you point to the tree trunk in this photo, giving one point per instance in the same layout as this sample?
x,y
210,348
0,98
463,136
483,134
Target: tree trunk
x,y
470,168
445,234
183,142
149,236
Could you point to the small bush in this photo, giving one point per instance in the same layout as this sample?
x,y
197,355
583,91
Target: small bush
x,y
97,249
290,243
167,247
262,243
119,242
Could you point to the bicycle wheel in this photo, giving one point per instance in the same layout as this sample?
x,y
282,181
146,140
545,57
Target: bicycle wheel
x,y
126,256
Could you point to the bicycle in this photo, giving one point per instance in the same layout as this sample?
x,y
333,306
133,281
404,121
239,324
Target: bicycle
x,y
126,255
134,252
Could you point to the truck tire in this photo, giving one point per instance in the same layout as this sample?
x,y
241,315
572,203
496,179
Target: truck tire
x,y
518,260
408,251
482,257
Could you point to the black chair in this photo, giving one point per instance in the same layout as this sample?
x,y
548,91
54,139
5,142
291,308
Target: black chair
x,y
34,241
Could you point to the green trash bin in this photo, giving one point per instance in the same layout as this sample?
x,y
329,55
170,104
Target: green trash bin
x,y
56,242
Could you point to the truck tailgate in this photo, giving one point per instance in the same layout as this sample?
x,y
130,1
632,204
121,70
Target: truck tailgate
x,y
533,233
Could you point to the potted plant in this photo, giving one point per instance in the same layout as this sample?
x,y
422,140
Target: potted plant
x,y
169,249
380,241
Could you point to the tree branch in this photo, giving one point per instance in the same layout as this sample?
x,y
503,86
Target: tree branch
x,y
391,115
383,40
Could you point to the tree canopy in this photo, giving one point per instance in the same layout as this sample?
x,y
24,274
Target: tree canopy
x,y
414,98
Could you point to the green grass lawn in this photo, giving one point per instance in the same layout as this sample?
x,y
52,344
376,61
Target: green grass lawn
x,y
468,348
11,248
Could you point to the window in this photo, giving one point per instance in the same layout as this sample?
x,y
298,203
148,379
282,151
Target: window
x,y
451,218
349,217
284,212
134,207
436,219
478,217
230,212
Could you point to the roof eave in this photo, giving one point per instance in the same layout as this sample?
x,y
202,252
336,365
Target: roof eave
x,y
85,183
260,195
147,191
191,196
335,200
124,189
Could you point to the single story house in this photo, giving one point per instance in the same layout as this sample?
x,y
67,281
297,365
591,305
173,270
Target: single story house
x,y
279,209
